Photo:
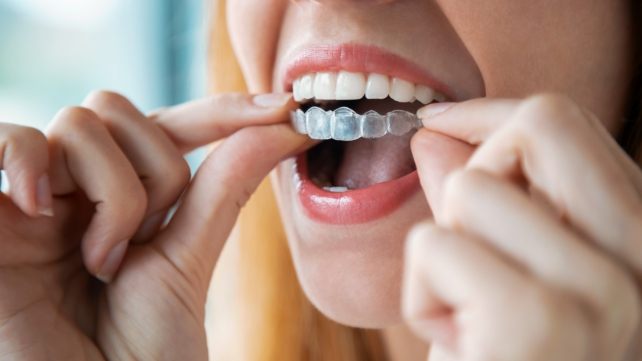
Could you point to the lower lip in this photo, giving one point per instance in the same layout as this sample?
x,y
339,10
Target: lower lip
x,y
355,206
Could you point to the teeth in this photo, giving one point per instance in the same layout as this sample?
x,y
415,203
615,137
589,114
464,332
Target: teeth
x,y
336,189
350,86
346,85
401,90
346,125
306,86
424,94
325,85
378,86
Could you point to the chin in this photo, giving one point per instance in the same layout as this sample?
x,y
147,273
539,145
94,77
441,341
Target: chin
x,y
350,271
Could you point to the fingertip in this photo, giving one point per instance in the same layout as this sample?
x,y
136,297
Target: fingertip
x,y
431,110
112,261
44,198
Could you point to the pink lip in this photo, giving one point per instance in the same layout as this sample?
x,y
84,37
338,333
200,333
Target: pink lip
x,y
358,58
355,206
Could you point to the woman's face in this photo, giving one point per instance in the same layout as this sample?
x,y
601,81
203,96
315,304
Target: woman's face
x,y
347,245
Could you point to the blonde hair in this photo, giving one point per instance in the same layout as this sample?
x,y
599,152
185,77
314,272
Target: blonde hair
x,y
264,315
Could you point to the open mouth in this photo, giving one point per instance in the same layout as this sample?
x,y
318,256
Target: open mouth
x,y
361,101
375,153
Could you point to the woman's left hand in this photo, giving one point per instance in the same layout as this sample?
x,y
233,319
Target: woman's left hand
x,y
536,248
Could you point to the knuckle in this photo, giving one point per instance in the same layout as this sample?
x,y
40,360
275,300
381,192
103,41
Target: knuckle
x,y
109,104
179,176
460,186
171,180
239,190
556,317
17,134
75,117
549,113
105,99
133,201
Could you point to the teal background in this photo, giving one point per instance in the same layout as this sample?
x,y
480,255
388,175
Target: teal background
x,y
54,52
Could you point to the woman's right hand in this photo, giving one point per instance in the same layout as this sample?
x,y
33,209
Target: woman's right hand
x,y
89,197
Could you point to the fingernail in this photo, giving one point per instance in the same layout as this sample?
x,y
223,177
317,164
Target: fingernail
x,y
112,262
149,227
44,199
272,100
433,109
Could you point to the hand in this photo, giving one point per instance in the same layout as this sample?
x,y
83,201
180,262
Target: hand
x,y
108,175
536,251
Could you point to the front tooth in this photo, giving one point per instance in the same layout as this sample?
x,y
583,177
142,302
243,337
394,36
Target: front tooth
x,y
325,85
345,125
317,123
350,86
440,97
306,85
401,90
378,86
424,94
296,90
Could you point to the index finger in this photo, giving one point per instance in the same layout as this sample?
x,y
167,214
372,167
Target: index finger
x,y
203,121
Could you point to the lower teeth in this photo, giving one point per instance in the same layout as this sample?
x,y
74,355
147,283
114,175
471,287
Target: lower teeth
x,y
346,125
336,189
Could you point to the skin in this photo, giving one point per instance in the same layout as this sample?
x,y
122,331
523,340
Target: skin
x,y
467,279
577,54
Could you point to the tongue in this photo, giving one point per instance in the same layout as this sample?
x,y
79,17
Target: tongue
x,y
371,161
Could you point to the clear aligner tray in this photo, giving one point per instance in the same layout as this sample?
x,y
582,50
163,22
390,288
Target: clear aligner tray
x,y
346,125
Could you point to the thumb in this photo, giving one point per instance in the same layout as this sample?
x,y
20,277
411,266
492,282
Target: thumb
x,y
436,156
224,182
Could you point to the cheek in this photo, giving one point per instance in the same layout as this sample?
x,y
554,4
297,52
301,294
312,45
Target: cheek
x,y
254,27
523,47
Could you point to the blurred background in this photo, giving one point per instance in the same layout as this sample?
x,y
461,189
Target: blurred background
x,y
55,52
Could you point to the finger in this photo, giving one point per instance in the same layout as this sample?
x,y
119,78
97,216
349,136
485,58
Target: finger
x,y
566,160
158,163
24,156
446,269
204,121
222,185
490,299
436,156
474,121
554,145
499,213
630,166
98,167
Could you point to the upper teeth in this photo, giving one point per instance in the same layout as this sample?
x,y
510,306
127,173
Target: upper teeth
x,y
346,85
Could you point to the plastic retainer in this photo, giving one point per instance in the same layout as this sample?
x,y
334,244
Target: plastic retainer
x,y
346,125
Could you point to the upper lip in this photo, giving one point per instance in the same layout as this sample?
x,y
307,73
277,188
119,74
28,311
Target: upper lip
x,y
358,58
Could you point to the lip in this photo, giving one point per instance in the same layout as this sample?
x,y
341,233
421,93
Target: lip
x,y
354,206
356,57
